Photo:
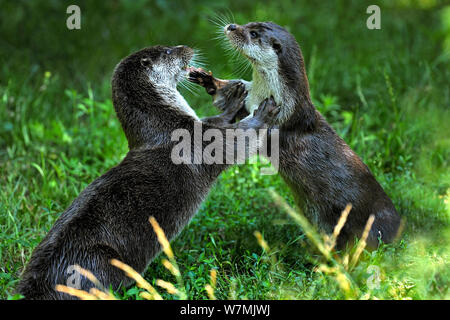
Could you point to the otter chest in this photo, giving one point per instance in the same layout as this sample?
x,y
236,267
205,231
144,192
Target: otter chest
x,y
265,84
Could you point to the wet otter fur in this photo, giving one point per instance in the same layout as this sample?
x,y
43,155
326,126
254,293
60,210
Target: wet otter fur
x,y
323,172
110,218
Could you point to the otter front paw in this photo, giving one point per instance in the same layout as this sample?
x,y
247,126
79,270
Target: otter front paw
x,y
267,111
233,99
227,95
203,78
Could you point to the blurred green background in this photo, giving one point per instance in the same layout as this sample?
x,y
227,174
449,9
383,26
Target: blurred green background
x,y
386,92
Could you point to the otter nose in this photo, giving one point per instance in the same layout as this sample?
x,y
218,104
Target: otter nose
x,y
231,27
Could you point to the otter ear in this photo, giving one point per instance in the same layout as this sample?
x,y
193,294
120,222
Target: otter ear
x,y
276,46
146,62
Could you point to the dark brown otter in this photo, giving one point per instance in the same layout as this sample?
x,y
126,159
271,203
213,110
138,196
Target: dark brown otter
x,y
323,172
109,219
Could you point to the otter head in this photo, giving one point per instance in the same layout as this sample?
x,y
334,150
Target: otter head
x,y
277,64
257,41
158,66
144,90
264,44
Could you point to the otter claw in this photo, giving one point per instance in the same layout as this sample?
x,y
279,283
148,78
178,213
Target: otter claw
x,y
211,91
267,110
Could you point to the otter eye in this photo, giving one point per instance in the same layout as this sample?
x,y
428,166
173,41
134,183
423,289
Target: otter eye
x,y
145,62
253,34
168,51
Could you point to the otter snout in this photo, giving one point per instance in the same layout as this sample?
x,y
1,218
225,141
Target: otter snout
x,y
231,27
236,34
184,48
185,51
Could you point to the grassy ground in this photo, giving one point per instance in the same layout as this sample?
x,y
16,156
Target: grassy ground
x,y
385,91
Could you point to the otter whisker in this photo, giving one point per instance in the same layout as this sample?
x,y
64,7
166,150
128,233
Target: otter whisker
x,y
198,62
230,15
188,86
220,19
198,53
236,58
243,66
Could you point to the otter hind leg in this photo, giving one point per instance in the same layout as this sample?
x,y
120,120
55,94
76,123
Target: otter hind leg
x,y
99,263
39,284
34,288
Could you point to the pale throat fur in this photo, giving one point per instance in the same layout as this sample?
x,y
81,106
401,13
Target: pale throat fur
x,y
267,82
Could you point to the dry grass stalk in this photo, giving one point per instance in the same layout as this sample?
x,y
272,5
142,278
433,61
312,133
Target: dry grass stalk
x,y
261,241
140,281
146,295
162,238
169,252
169,266
325,244
212,285
170,288
213,277
101,295
89,275
93,293
400,229
345,261
362,242
263,244
210,291
340,276
309,230
338,227
344,283
80,294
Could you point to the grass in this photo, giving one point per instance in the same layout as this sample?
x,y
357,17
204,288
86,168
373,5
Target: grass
x,y
385,92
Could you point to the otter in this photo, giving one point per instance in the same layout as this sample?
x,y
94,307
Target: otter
x,y
109,219
322,171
